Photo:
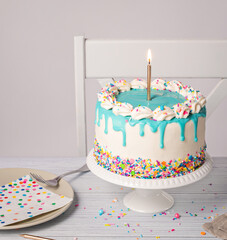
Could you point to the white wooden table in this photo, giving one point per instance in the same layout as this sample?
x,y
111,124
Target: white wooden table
x,y
204,199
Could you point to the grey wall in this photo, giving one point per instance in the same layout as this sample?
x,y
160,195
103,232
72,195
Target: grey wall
x,y
37,110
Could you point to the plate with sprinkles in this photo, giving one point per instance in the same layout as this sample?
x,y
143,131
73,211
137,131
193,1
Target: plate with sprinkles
x,y
25,202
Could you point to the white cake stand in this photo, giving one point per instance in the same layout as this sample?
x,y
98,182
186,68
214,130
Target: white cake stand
x,y
148,196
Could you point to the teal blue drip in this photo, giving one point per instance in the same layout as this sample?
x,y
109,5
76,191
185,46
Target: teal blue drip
x,y
142,129
182,124
162,128
195,121
96,114
119,123
122,129
106,125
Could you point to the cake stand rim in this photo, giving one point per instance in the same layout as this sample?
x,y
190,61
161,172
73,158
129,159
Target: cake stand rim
x,y
175,182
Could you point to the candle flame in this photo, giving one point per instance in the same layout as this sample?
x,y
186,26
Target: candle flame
x,y
149,58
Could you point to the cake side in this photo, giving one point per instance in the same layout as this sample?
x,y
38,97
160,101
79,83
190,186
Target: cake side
x,y
145,168
147,146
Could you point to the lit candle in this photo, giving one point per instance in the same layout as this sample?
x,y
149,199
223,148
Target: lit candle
x,y
149,75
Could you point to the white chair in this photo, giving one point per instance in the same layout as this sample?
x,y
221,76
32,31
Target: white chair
x,y
107,59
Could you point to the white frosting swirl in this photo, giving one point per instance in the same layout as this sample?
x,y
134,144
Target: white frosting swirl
x,y
123,109
159,84
139,83
108,102
194,106
193,95
163,113
181,110
110,87
186,91
123,85
103,95
174,86
202,100
141,112
197,96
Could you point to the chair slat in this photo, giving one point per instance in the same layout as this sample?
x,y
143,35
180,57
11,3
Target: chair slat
x,y
79,64
179,59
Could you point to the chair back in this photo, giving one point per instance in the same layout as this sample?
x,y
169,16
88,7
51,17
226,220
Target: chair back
x,y
107,59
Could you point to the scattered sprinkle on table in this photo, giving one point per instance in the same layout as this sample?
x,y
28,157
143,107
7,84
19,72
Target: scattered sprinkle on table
x,y
101,212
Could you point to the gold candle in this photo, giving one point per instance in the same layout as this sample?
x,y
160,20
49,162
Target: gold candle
x,y
149,75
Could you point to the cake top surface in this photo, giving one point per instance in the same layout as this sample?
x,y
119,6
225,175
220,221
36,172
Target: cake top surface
x,y
169,99
138,97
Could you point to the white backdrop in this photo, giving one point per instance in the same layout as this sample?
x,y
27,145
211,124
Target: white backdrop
x,y
37,108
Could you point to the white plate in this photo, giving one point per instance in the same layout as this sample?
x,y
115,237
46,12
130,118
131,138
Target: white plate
x,y
9,174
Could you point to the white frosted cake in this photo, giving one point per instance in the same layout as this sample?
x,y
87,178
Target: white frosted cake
x,y
160,138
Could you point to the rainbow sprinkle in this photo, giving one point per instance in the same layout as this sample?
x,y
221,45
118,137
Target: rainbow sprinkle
x,y
144,168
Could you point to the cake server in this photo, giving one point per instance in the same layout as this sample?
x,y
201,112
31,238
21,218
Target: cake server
x,y
54,182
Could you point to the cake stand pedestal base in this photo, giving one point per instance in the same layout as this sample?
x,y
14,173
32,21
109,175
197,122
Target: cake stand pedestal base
x,y
148,201
148,196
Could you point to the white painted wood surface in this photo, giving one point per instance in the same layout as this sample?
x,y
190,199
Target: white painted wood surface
x,y
170,58
79,71
103,81
93,194
216,96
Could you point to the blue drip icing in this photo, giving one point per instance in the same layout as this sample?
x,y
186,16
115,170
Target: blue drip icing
x,y
195,121
119,123
96,115
106,125
162,128
142,129
182,124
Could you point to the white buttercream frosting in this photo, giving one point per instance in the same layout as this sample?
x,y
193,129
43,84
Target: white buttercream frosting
x,y
123,85
198,97
108,102
202,101
123,109
141,112
174,86
193,95
186,91
194,106
103,95
163,113
159,84
110,87
181,110
139,83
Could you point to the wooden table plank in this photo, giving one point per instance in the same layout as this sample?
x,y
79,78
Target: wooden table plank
x,y
92,193
117,238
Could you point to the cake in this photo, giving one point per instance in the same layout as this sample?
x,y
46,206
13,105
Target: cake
x,y
160,138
